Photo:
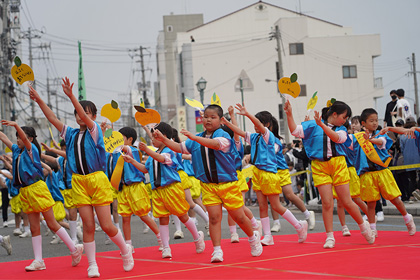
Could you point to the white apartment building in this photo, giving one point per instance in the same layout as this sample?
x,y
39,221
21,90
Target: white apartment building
x,y
327,57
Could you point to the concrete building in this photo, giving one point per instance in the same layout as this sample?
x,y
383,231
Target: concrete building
x,y
327,57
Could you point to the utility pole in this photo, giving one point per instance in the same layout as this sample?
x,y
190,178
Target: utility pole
x,y
280,74
416,89
143,78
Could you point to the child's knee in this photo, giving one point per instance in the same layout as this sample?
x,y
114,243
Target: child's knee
x,y
214,219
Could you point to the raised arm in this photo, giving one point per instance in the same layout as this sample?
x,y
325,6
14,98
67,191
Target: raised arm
x,y
328,131
233,120
143,147
5,140
135,163
49,114
207,142
260,128
148,132
290,120
68,90
174,146
54,150
7,175
20,132
6,162
234,128
47,168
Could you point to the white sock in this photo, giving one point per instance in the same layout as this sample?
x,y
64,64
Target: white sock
x,y
288,216
307,214
194,219
276,221
164,234
128,242
232,229
119,241
266,225
217,248
27,229
62,233
37,247
254,222
197,209
373,226
1,238
177,223
362,227
330,235
192,228
90,250
407,218
73,230
252,238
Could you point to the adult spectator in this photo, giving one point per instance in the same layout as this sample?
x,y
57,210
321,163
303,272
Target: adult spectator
x,y
403,107
390,108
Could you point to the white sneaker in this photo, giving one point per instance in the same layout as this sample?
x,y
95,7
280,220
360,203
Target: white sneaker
x,y
259,228
217,256
75,241
267,240
178,234
76,256
93,271
5,224
36,265
17,232
367,234
311,220
411,226
98,228
303,231
159,240
234,237
47,231
128,261
345,230
276,227
329,243
146,229
79,233
256,247
199,244
56,240
365,218
25,234
6,244
207,227
375,232
166,253
108,240
380,216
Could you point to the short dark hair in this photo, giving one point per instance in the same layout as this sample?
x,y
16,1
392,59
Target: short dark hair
x,y
217,108
400,92
356,118
86,104
129,132
175,135
393,91
165,128
338,107
418,121
62,143
366,113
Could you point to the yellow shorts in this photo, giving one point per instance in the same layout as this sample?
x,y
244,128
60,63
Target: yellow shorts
x,y
59,212
68,198
377,183
195,187
243,186
92,189
148,188
186,183
36,198
354,184
169,200
133,199
114,192
266,182
332,172
16,204
228,194
284,176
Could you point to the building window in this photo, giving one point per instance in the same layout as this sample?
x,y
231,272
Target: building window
x,y
302,90
349,72
296,48
169,28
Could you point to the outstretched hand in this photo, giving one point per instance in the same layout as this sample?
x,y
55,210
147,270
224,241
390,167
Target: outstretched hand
x,y
242,110
317,118
67,87
8,123
224,121
410,132
384,131
158,135
288,108
187,133
46,147
142,146
127,158
33,94
231,110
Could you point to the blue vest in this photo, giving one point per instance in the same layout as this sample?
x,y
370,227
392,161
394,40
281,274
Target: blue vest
x,y
130,174
180,165
351,156
315,142
164,174
188,168
29,171
93,155
239,155
65,172
281,161
263,155
13,191
417,134
362,163
53,187
222,165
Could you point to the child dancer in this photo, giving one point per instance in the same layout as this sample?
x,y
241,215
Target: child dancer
x,y
377,180
213,159
324,140
35,195
168,197
90,186
266,182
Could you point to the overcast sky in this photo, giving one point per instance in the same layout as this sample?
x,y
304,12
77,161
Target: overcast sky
x,y
108,29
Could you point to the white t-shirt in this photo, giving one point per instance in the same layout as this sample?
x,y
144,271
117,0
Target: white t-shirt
x,y
406,110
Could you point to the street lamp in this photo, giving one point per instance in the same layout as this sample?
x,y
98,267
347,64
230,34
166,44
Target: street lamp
x,y
201,86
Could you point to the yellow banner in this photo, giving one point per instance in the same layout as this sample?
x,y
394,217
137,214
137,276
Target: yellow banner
x,y
370,151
